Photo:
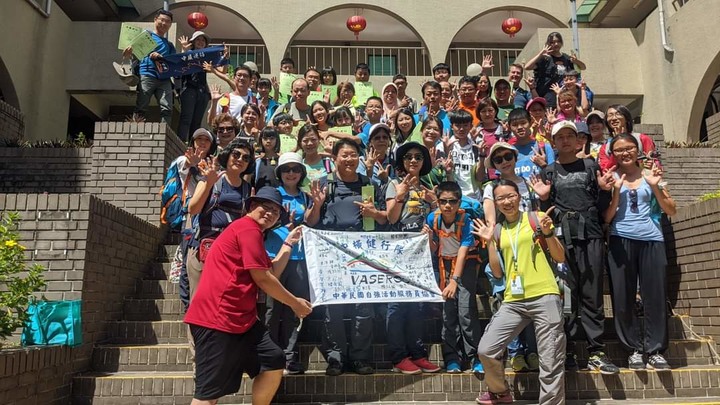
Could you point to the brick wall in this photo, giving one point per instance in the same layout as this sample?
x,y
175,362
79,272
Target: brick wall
x,y
713,128
36,375
93,251
125,166
12,123
691,172
693,249
41,170
129,162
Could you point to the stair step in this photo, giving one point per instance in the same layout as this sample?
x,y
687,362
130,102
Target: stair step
x,y
174,331
177,387
176,357
157,289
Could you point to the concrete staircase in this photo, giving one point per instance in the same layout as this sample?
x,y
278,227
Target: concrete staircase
x,y
146,361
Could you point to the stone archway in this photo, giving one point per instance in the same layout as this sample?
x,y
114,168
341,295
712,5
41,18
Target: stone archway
x,y
482,34
698,112
226,25
7,88
324,40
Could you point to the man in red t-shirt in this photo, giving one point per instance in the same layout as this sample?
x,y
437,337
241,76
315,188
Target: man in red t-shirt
x,y
229,340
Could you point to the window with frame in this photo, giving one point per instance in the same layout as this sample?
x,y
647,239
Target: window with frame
x,y
382,65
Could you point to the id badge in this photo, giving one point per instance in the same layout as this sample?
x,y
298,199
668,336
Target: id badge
x,y
516,287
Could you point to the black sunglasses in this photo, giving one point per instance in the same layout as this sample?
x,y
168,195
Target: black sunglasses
x,y
224,130
633,201
241,156
506,157
451,201
291,169
418,157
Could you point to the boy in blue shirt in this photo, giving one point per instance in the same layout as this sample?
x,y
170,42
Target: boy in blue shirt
x,y
533,155
149,83
456,250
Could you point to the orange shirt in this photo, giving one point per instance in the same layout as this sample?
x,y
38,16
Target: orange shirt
x,y
471,110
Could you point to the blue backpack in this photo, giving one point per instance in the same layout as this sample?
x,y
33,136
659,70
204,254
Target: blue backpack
x,y
173,196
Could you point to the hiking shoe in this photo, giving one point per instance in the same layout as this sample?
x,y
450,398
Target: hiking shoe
x,y
533,362
406,366
635,361
293,368
657,362
478,370
519,364
489,398
426,365
334,369
362,368
598,361
570,362
453,367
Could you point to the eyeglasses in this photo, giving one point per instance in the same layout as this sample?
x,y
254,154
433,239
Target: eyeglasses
x,y
505,197
623,151
418,157
633,201
242,76
291,169
237,155
615,115
445,201
271,209
466,90
506,157
224,130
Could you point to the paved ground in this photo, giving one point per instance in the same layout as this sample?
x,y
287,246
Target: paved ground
x,y
684,401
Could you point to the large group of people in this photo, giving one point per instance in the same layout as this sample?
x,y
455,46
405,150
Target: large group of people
x,y
530,187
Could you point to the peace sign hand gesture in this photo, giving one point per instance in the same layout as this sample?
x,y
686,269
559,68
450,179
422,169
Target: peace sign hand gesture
x,y
447,141
403,188
539,157
384,173
606,181
653,176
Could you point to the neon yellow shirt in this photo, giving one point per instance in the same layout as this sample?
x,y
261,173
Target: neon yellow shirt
x,y
537,276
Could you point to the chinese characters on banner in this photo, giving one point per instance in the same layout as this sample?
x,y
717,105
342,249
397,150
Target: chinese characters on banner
x,y
189,62
359,267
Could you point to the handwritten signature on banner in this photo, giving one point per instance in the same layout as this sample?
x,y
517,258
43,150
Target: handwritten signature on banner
x,y
359,267
186,63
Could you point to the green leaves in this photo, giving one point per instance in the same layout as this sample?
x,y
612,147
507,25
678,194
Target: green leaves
x,y
18,280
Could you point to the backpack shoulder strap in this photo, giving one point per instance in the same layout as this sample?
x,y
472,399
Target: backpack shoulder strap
x,y
534,221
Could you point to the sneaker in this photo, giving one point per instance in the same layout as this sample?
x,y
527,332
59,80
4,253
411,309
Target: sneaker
x,y
453,367
657,362
334,369
570,362
518,363
406,366
598,361
533,362
362,368
478,370
635,361
489,398
293,368
426,365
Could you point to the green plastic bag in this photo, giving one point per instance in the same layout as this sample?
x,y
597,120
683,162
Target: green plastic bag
x,y
53,323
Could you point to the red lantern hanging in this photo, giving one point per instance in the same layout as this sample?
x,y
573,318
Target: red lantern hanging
x,y
356,24
197,20
512,26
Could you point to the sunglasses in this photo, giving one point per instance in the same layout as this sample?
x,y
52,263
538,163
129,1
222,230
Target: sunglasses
x,y
241,156
224,130
418,157
506,157
633,201
451,201
291,169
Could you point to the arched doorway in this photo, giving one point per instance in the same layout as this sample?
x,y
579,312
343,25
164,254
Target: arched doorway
x,y
226,25
7,88
388,45
482,35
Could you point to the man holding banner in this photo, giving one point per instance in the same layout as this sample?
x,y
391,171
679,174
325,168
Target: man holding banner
x,y
150,84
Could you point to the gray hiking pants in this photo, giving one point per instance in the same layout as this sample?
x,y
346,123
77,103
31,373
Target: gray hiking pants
x,y
545,313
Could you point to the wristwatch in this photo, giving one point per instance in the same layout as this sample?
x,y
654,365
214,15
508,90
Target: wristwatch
x,y
456,278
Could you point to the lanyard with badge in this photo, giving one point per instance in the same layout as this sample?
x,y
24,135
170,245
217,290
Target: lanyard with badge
x,y
516,285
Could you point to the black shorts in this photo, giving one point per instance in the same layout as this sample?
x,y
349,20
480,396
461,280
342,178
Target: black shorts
x,y
222,358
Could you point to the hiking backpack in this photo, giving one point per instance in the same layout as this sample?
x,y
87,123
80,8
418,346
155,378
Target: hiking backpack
x,y
173,195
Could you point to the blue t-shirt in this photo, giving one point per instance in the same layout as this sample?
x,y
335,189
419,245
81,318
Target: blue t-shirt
x,y
638,215
275,238
524,166
451,243
442,115
164,48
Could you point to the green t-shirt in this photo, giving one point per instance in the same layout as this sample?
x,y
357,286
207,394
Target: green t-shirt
x,y
537,276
